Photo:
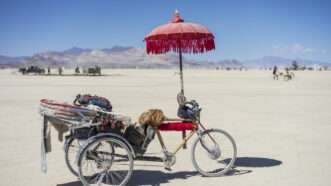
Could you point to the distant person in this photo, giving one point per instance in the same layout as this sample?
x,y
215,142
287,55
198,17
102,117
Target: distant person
x,y
287,71
287,75
60,71
48,70
275,73
77,71
97,70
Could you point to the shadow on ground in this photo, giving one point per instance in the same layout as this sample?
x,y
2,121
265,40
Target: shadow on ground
x,y
155,178
256,162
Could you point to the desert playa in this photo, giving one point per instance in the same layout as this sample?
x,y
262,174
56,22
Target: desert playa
x,y
282,128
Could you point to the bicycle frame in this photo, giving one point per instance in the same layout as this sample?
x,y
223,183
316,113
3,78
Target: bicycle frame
x,y
199,128
183,141
179,146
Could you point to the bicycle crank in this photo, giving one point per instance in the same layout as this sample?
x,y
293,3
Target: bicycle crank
x,y
169,160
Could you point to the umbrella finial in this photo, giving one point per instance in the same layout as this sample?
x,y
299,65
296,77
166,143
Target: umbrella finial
x,y
177,18
177,12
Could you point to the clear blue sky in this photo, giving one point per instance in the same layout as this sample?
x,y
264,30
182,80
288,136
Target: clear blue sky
x,y
243,29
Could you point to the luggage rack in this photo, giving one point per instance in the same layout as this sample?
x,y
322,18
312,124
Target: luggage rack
x,y
76,116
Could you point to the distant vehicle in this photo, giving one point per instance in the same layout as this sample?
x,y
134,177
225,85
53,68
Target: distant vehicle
x,y
32,69
93,71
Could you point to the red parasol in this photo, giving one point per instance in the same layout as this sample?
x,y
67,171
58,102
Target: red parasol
x,y
179,36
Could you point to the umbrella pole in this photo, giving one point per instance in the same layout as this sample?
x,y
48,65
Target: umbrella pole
x,y
181,72
182,88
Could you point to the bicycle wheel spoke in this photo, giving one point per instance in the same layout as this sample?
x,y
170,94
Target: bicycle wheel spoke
x,y
108,179
92,179
103,165
117,176
101,178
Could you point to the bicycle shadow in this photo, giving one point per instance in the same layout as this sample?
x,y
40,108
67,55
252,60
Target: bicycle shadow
x,y
155,177
255,162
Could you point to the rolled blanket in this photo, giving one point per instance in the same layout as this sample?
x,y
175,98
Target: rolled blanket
x,y
153,117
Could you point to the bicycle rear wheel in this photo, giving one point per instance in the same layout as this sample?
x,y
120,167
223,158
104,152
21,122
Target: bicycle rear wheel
x,y
105,161
71,149
213,152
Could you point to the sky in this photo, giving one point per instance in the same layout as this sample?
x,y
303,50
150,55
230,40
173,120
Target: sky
x,y
243,29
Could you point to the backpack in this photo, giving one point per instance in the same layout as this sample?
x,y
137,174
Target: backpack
x,y
139,137
87,99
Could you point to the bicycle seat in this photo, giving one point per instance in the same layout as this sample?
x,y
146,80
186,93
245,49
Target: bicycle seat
x,y
177,126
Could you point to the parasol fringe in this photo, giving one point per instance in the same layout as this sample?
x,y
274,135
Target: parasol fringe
x,y
161,45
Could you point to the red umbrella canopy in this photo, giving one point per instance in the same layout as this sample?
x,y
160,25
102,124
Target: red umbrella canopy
x,y
179,36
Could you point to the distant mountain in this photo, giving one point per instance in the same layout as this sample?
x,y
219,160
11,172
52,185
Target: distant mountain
x,y
75,51
118,57
6,61
230,63
131,57
117,49
115,57
270,61
267,61
11,60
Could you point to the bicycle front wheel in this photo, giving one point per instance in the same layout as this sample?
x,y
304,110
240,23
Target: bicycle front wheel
x,y
214,152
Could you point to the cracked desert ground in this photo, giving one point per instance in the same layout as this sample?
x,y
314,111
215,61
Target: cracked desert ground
x,y
282,129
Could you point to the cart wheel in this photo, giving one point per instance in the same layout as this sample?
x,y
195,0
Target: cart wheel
x,y
98,164
214,152
71,149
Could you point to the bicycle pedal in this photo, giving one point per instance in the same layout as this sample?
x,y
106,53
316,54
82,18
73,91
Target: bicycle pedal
x,y
168,168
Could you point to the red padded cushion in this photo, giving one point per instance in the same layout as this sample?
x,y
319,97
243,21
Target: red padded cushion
x,y
176,126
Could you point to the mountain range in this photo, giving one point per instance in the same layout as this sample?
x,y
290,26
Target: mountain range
x,y
131,57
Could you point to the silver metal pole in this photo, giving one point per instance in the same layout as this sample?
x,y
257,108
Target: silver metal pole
x,y
181,72
182,88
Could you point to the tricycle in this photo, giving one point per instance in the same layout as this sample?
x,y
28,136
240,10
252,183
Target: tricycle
x,y
102,145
